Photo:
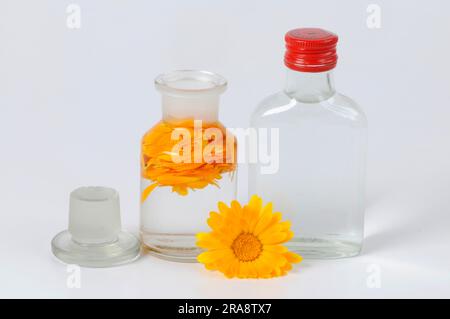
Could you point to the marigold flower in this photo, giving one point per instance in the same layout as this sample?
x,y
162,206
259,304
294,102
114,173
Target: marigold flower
x,y
157,163
246,242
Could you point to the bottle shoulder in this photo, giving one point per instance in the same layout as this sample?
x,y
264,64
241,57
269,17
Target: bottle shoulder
x,y
281,106
347,105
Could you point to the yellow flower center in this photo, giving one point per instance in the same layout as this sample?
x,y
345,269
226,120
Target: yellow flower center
x,y
247,247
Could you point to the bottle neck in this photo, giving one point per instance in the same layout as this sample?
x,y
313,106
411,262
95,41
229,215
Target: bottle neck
x,y
309,87
190,94
203,107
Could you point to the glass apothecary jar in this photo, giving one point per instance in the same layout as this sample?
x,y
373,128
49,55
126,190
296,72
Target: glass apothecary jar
x,y
188,164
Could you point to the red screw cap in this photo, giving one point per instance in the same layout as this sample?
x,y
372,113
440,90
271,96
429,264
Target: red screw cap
x,y
310,50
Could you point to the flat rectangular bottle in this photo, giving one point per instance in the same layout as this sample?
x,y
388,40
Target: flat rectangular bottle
x,y
319,184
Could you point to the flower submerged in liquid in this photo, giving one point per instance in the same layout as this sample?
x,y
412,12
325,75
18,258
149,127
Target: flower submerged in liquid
x,y
159,167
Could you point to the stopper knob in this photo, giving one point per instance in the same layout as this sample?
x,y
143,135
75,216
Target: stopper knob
x,y
94,215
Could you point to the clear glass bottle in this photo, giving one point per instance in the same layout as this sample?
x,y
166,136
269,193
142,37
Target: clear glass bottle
x,y
182,178
319,185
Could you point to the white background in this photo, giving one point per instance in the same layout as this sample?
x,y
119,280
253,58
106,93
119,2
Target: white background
x,y
75,102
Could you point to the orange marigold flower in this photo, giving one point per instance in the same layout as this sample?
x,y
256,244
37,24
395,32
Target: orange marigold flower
x,y
246,242
157,163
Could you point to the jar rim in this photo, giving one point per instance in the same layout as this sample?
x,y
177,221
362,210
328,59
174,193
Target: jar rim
x,y
190,82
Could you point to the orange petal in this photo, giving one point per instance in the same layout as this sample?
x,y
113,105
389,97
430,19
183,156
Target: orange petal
x,y
147,191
